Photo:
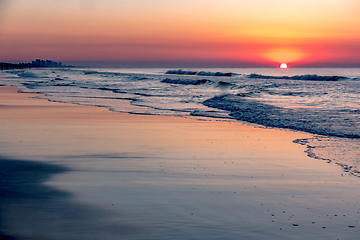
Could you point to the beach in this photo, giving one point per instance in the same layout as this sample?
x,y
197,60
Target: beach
x,y
178,120
84,172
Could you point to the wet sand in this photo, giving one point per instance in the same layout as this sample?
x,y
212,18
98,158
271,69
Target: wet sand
x,y
77,172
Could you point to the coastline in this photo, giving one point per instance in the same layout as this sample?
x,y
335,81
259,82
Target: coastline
x,y
162,173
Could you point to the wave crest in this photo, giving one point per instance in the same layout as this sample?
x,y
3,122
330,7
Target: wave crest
x,y
201,73
307,77
186,81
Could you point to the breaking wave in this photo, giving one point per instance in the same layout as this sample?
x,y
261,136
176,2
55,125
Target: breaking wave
x,y
318,121
313,77
201,73
186,81
220,84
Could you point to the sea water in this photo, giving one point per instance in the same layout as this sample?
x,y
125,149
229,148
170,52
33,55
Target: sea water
x,y
324,102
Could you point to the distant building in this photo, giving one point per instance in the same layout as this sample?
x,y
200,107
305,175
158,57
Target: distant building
x,y
6,66
47,63
36,63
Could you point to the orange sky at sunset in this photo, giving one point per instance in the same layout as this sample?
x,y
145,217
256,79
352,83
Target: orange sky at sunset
x,y
234,33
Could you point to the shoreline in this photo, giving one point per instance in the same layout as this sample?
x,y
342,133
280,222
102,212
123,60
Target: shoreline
x,y
165,177
313,142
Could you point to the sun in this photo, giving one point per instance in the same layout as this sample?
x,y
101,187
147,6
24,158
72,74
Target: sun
x,y
283,65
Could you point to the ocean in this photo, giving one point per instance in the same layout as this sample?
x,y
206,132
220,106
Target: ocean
x,y
324,102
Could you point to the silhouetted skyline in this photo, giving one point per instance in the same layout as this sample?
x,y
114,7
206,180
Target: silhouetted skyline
x,y
33,64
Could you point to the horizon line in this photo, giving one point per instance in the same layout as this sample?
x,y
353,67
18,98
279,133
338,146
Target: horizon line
x,y
192,64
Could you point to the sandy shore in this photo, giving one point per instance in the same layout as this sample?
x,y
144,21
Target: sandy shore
x,y
77,172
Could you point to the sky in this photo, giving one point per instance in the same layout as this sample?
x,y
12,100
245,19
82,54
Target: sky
x,y
158,33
